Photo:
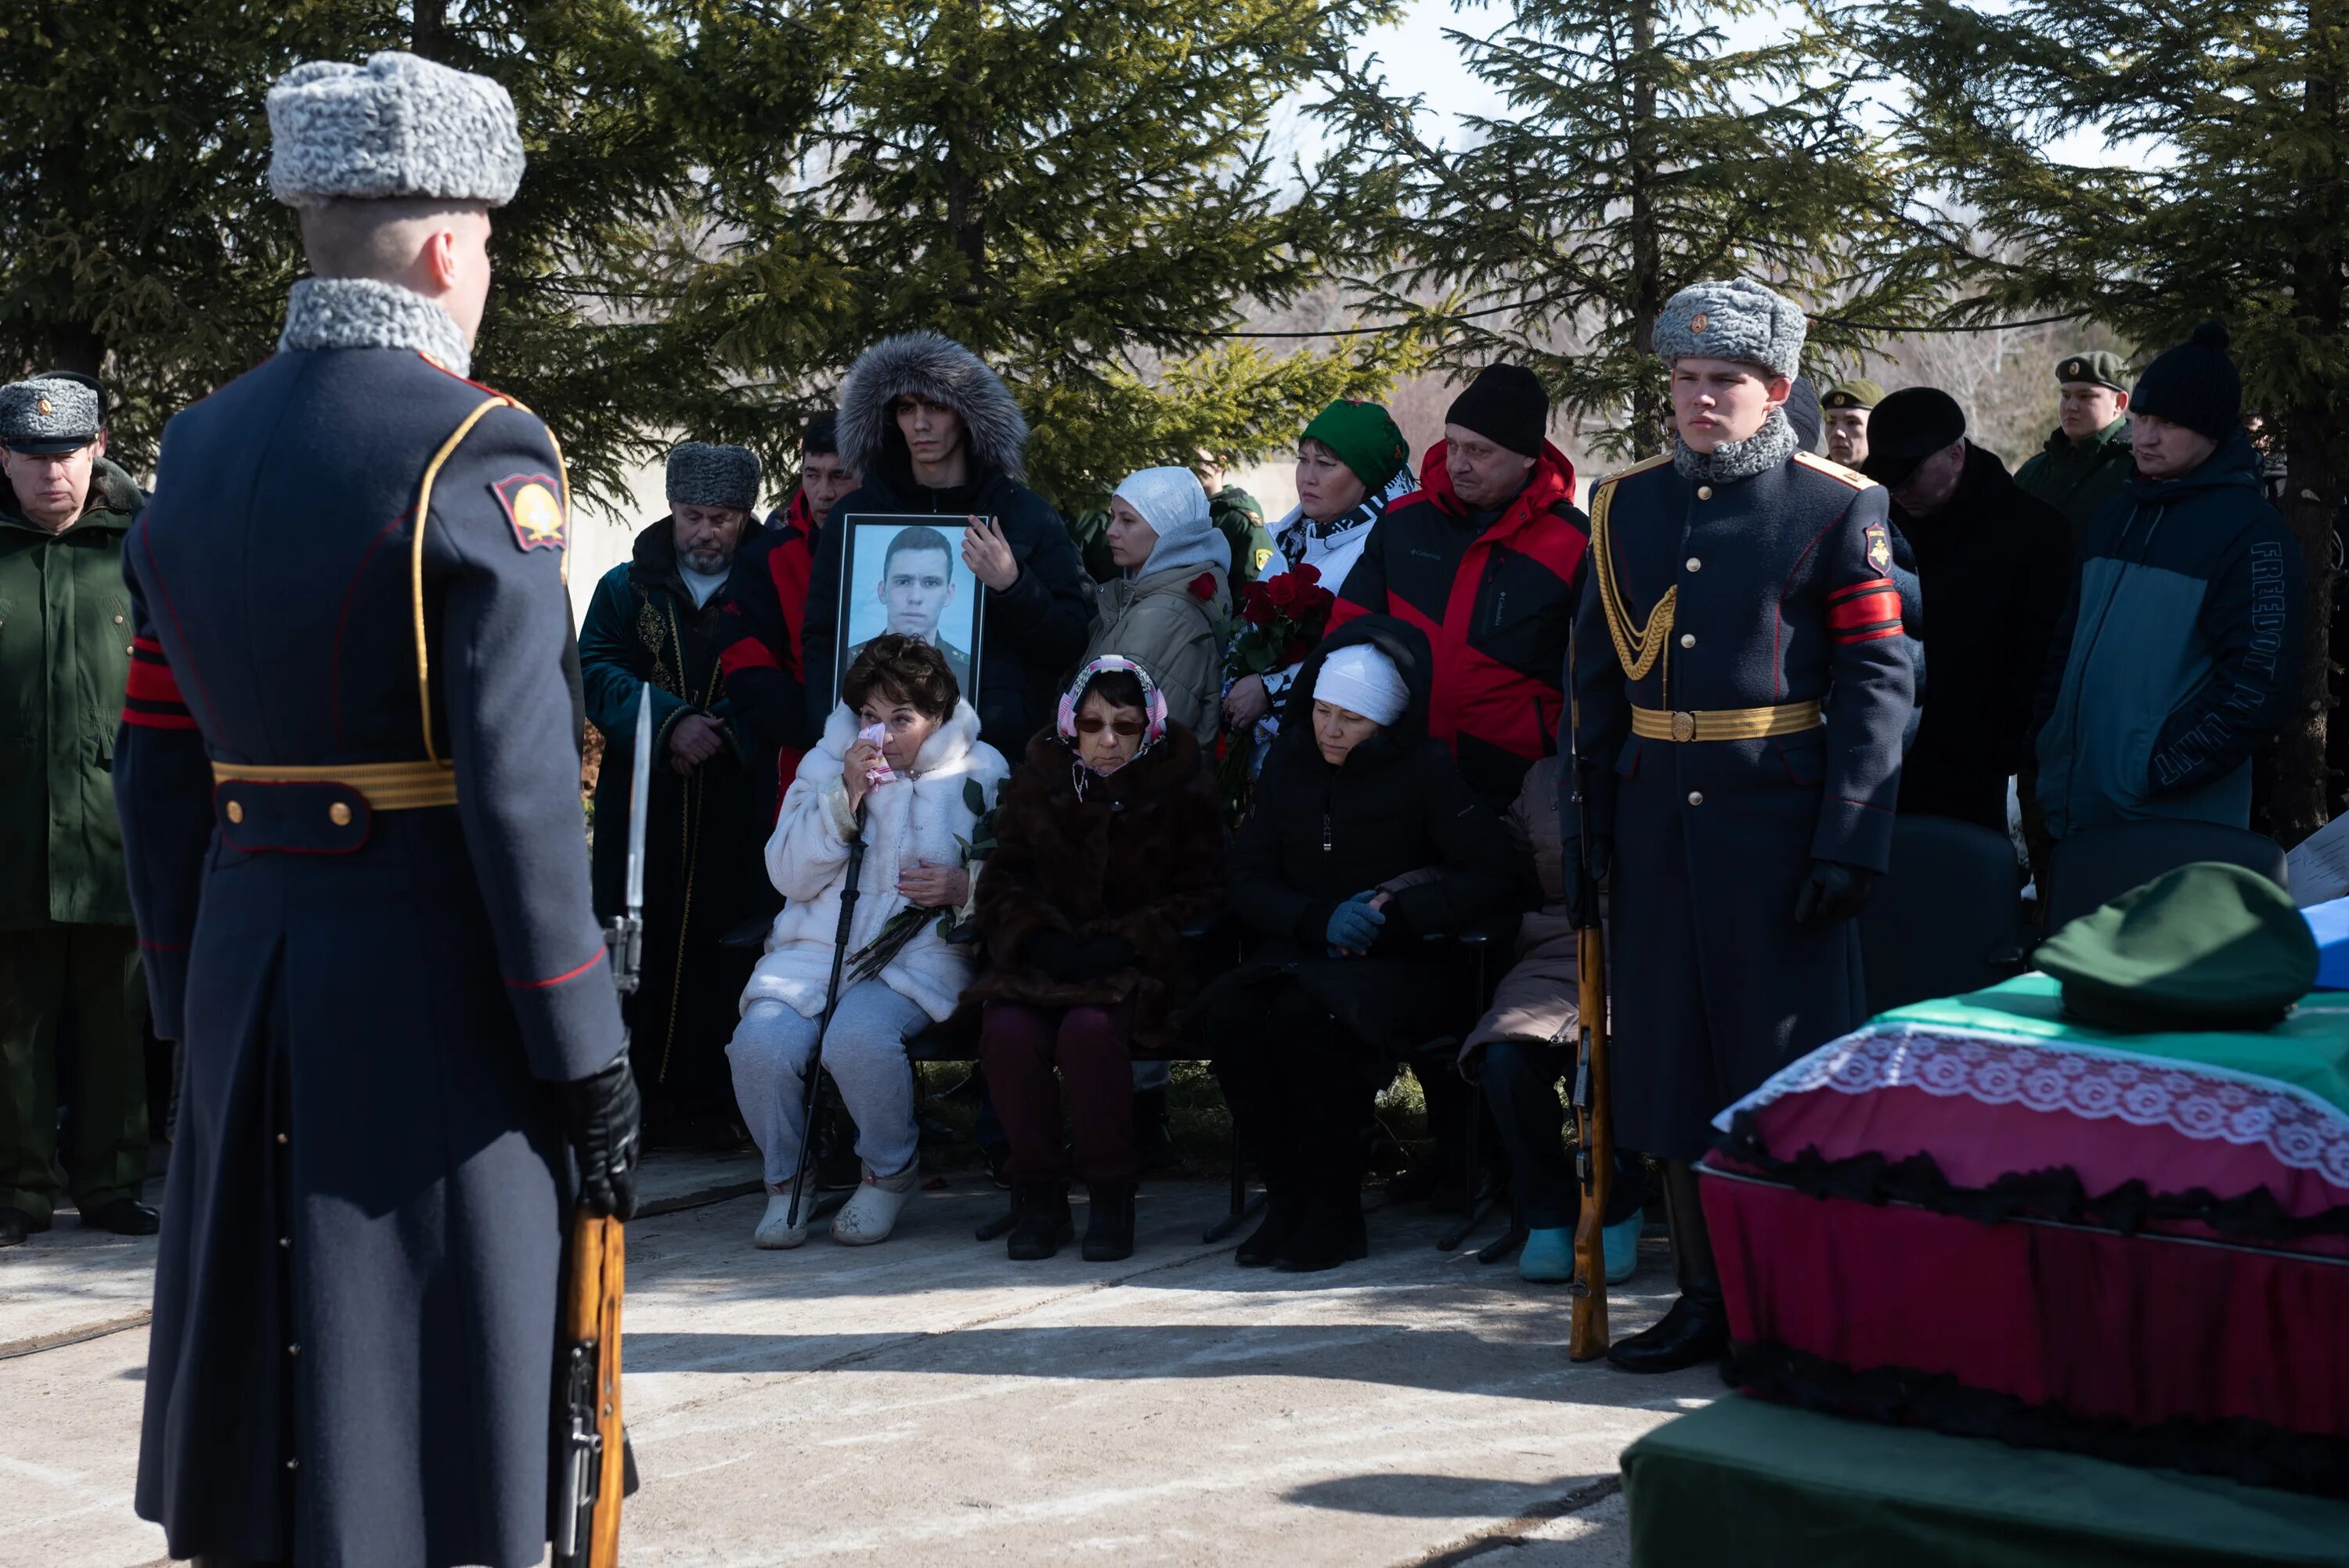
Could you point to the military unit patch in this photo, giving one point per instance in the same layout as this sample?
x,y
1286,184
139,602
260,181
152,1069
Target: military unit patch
x,y
532,510
1879,547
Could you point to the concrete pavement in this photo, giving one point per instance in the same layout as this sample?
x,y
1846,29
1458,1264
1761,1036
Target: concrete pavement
x,y
928,1401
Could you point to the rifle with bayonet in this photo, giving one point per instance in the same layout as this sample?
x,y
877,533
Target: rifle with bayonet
x,y
596,1470
1594,1157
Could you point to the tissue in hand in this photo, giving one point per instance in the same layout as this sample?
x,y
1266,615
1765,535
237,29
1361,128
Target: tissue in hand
x,y
880,772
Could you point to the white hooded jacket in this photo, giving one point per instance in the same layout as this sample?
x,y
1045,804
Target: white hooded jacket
x,y
907,821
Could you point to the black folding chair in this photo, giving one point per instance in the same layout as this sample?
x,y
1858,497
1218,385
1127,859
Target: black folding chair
x,y
1948,916
2097,865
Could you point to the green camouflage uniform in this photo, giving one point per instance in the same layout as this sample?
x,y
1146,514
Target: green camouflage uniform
x,y
68,952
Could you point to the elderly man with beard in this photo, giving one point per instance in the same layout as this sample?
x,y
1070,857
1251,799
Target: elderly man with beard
x,y
664,619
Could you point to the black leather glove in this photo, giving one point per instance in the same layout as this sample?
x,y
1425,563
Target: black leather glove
x,y
604,1121
1835,892
1106,953
1602,860
1059,954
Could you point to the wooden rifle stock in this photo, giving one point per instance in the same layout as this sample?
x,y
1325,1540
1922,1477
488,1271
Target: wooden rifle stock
x,y
592,1475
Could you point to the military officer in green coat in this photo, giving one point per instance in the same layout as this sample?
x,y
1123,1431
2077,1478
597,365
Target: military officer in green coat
x,y
2087,460
68,952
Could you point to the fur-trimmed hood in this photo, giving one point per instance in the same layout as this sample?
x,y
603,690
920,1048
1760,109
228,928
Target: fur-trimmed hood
x,y
936,368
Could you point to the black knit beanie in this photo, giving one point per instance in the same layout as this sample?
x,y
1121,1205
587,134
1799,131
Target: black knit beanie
x,y
1505,404
2194,385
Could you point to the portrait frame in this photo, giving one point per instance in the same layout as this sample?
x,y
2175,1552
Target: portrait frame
x,y
950,605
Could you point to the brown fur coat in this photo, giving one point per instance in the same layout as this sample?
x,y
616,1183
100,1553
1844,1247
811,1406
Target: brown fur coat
x,y
1140,856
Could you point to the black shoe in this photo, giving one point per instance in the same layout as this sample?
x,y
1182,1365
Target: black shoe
x,y
1283,1213
1109,1230
1694,1331
124,1217
1332,1232
16,1225
1040,1224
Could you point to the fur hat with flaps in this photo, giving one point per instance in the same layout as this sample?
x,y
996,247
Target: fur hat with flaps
x,y
1735,319
397,125
937,369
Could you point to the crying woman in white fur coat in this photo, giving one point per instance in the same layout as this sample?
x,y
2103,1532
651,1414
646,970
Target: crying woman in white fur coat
x,y
903,747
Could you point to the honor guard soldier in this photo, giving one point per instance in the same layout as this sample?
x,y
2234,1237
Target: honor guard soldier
x,y
348,781
1742,682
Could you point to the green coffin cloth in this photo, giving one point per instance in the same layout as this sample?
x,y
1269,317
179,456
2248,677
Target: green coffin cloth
x,y
1747,1484
2309,1050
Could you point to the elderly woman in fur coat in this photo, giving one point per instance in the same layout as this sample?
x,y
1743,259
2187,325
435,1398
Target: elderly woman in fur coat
x,y
896,761
1109,843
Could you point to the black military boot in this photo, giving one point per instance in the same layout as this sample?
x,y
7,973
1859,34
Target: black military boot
x,y
124,1217
16,1225
1283,1211
1696,1328
1040,1224
1108,1223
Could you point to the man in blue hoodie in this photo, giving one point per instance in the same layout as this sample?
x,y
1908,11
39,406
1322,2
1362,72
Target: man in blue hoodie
x,y
2180,651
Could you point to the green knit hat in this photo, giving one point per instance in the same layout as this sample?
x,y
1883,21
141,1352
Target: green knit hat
x,y
2206,946
1365,439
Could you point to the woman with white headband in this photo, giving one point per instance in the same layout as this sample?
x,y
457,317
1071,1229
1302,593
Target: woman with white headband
x,y
1341,981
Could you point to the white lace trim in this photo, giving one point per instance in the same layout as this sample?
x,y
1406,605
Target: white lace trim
x,y
2203,1102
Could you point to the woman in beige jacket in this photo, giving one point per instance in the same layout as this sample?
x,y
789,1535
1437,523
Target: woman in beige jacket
x,y
1172,593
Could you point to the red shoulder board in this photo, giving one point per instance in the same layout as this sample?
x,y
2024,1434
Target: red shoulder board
x,y
531,509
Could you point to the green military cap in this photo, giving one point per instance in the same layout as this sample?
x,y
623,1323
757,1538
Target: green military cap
x,y
1861,394
2101,368
2206,946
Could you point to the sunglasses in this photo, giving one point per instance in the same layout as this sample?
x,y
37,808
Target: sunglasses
x,y
1091,725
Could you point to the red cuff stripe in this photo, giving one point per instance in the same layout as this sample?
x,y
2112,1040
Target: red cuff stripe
x,y
1870,636
147,644
181,721
1870,586
153,682
599,955
750,653
1882,604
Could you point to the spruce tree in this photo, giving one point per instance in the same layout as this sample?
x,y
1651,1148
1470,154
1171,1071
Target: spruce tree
x,y
1079,190
2221,193
144,246
1640,152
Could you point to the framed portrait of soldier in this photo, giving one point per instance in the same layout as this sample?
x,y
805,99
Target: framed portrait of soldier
x,y
907,574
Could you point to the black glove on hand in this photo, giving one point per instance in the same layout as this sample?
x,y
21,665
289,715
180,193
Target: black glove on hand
x,y
1835,892
604,1121
1059,954
1106,953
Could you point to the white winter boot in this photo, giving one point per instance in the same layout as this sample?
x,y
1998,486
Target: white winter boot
x,y
775,1230
870,1215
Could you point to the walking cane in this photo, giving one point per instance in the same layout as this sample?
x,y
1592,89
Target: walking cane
x,y
813,1100
595,1469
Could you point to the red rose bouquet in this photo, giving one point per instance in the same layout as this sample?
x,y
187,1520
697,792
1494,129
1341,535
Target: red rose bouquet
x,y
1276,623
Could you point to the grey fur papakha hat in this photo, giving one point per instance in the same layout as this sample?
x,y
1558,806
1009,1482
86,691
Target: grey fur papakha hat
x,y
701,473
397,125
1738,319
48,415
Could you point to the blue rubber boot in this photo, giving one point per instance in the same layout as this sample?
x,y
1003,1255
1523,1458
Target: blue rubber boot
x,y
1619,1245
1547,1256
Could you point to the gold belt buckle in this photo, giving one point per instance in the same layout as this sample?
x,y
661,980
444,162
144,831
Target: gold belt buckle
x,y
1683,726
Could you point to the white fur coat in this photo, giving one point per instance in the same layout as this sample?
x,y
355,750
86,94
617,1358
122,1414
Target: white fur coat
x,y
906,822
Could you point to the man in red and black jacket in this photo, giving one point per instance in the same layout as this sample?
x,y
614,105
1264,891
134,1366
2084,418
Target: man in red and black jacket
x,y
1485,557
771,591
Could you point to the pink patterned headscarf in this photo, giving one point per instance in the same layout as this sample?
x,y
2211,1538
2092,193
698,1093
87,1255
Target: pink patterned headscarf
x,y
1153,702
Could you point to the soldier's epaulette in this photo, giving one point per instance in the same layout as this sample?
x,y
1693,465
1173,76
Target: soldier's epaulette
x,y
1837,471
1637,468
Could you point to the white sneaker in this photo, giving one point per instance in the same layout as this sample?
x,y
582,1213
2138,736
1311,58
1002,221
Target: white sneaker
x,y
872,1213
775,1230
